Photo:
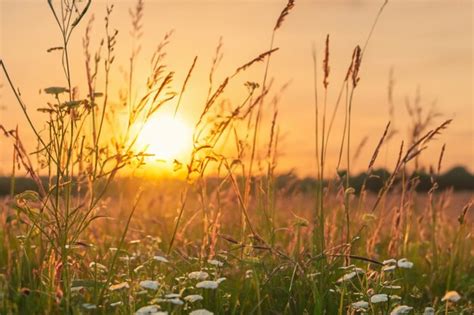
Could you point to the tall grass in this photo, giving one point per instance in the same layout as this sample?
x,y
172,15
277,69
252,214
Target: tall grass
x,y
238,242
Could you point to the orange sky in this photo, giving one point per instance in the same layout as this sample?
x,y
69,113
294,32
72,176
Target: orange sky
x,y
429,44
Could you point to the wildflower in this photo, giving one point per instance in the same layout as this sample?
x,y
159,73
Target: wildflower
x,y
215,262
175,301
221,280
350,275
201,312
389,261
347,267
392,287
405,263
248,274
360,305
160,259
206,284
193,298
149,284
55,90
89,306
401,309
429,311
71,104
388,268
77,289
378,298
148,310
395,297
451,296
120,286
134,242
198,275
114,304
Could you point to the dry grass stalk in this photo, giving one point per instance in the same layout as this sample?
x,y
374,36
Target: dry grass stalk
x,y
183,88
377,148
259,58
326,63
286,10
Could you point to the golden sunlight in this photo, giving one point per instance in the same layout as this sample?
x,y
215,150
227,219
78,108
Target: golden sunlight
x,y
166,137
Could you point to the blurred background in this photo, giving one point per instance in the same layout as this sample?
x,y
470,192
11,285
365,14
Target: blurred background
x,y
428,46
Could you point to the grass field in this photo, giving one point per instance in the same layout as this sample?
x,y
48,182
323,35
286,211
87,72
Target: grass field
x,y
223,232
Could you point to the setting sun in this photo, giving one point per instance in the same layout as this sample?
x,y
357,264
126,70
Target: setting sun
x,y
166,137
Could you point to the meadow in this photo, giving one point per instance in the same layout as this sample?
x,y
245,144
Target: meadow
x,y
222,230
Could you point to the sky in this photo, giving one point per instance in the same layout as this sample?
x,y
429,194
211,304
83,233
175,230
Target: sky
x,y
427,44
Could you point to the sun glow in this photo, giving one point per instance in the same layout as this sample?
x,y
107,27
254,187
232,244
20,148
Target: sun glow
x,y
168,138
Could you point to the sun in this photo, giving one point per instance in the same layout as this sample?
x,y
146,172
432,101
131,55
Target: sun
x,y
166,137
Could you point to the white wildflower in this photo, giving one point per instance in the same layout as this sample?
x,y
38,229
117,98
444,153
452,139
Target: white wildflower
x,y
350,275
451,296
392,287
248,274
149,284
220,280
160,259
120,286
378,298
114,304
89,306
77,289
201,312
134,242
148,310
198,275
395,297
429,311
360,305
389,261
405,263
389,268
206,284
401,309
193,298
176,301
215,262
